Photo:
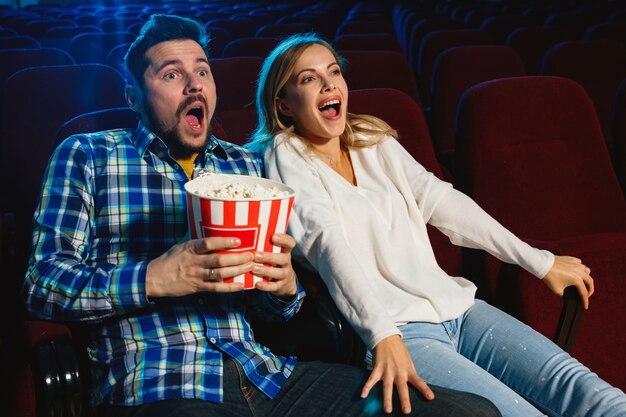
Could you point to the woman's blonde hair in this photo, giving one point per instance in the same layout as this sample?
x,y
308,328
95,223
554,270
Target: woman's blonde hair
x,y
275,72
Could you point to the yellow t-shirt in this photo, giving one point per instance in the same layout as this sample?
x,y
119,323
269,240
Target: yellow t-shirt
x,y
188,164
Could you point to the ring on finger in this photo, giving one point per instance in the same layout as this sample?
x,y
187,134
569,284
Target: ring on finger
x,y
211,272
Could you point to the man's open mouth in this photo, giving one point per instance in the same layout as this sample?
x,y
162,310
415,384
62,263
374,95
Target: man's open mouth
x,y
195,116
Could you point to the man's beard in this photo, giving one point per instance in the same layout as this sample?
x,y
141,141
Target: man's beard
x,y
171,136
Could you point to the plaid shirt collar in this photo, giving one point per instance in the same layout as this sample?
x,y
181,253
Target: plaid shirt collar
x,y
144,139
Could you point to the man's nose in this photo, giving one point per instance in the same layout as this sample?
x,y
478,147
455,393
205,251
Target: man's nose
x,y
194,84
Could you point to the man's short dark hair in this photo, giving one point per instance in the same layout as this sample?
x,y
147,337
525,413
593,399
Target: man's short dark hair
x,y
161,28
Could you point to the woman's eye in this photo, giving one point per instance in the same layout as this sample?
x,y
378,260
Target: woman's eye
x,y
307,79
336,72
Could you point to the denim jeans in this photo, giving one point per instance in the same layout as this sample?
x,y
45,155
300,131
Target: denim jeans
x,y
490,353
313,389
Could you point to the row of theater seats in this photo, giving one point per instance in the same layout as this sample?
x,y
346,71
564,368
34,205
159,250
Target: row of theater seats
x,y
555,133
597,65
420,36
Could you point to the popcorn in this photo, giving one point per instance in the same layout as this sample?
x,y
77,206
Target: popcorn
x,y
237,190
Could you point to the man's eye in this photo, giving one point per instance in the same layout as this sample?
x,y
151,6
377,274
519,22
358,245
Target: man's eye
x,y
203,73
170,76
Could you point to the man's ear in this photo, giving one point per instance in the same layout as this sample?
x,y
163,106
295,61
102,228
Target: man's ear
x,y
132,97
283,107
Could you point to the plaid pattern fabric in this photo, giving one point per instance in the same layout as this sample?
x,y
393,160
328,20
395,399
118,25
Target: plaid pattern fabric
x,y
111,202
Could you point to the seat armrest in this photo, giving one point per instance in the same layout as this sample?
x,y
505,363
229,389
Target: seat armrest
x,y
349,347
55,369
570,319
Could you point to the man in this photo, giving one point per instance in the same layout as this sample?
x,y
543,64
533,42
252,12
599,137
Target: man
x,y
169,337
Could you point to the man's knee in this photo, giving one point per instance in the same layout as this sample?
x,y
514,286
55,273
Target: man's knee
x,y
465,404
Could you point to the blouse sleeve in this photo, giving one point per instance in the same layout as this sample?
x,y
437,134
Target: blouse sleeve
x,y
315,226
462,220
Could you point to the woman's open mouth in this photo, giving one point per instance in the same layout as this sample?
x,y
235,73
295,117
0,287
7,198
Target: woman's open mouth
x,y
330,108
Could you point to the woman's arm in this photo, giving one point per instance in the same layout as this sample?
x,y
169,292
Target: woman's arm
x,y
468,225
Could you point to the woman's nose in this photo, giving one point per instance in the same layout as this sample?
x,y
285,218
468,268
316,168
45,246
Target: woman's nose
x,y
327,84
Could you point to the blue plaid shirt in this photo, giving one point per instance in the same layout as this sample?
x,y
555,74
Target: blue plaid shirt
x,y
111,202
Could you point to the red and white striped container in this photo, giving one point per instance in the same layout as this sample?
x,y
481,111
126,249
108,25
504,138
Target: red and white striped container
x,y
252,220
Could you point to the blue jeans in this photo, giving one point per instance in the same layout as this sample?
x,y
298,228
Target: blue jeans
x,y
490,353
313,389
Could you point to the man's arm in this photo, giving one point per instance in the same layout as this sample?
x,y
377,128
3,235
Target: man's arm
x,y
64,282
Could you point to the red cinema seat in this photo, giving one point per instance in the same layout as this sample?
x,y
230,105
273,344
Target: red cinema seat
x,y
456,70
599,66
379,69
532,42
235,80
435,43
530,151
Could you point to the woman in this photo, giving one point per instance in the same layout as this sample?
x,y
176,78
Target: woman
x,y
360,220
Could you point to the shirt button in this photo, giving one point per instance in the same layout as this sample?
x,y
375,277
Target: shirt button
x,y
201,301
213,340
176,167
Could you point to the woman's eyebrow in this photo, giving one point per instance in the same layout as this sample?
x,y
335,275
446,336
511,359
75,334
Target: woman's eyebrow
x,y
313,69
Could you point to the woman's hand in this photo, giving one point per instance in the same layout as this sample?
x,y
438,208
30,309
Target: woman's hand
x,y
567,271
394,367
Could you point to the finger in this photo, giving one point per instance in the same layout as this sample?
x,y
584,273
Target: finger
x,y
211,244
387,395
222,287
286,242
369,384
269,286
421,386
221,260
273,273
590,284
405,400
584,294
220,273
276,259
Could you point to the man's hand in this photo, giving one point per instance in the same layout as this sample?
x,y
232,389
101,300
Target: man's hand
x,y
192,267
394,367
282,278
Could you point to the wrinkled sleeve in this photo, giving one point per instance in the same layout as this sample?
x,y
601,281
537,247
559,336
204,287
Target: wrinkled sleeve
x,y
266,307
63,281
462,220
320,237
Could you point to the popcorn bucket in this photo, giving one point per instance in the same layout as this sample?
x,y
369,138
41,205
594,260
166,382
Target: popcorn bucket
x,y
249,208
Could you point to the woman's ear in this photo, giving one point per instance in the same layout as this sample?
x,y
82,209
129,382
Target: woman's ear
x,y
283,107
132,97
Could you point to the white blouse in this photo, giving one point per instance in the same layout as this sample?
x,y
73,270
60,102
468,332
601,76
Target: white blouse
x,y
369,242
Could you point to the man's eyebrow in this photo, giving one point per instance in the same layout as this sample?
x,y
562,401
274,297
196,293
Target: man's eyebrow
x,y
177,61
313,69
